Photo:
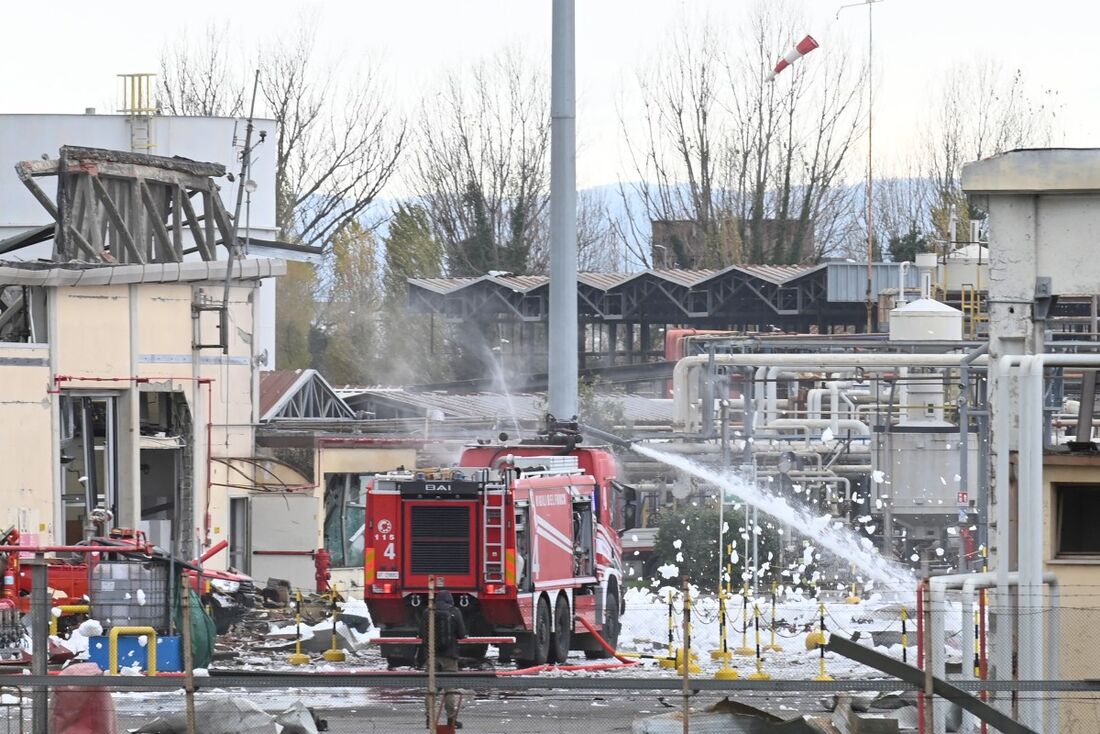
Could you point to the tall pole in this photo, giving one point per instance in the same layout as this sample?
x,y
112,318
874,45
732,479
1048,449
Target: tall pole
x,y
563,215
870,160
870,149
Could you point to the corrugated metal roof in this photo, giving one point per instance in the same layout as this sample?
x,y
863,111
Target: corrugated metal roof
x,y
605,281
608,281
686,278
521,283
273,385
847,282
778,273
442,285
523,406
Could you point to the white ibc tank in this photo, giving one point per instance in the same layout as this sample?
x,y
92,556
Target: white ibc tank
x,y
926,320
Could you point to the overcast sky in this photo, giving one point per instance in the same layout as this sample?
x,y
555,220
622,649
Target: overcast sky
x,y
62,56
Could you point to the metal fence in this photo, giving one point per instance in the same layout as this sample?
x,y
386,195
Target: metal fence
x,y
768,661
252,704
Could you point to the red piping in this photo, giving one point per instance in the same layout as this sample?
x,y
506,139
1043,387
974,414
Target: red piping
x,y
77,549
218,548
282,552
922,585
603,643
209,462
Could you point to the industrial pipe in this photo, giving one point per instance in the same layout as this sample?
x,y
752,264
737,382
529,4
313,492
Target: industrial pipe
x,y
968,582
837,426
986,580
1030,511
1030,543
820,362
211,552
1003,633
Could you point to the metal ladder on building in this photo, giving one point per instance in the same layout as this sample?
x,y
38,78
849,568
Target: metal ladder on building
x,y
971,306
493,523
137,103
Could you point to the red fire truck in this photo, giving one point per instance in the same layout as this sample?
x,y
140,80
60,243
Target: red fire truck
x,y
526,538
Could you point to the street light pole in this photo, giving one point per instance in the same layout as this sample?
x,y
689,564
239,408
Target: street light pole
x,y
870,149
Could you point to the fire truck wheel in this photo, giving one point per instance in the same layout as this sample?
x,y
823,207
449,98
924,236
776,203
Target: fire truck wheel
x,y
542,637
563,630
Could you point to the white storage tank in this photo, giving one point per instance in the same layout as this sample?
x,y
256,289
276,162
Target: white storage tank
x,y
926,320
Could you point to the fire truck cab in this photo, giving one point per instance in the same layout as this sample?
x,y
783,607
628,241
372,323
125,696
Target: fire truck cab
x,y
526,538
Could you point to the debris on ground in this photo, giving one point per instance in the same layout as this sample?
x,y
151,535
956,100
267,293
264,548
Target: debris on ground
x,y
731,717
228,714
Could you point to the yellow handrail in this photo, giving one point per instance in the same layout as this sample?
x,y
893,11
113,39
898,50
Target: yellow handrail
x,y
67,609
151,646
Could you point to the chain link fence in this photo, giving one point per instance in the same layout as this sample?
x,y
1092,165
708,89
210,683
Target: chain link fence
x,y
297,703
761,650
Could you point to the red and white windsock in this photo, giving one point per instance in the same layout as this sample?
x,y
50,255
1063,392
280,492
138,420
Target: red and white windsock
x,y
805,46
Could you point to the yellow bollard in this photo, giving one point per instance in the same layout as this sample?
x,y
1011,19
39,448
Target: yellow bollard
x,y
904,635
759,674
744,649
821,675
686,656
298,657
722,653
977,646
670,661
853,597
729,570
725,672
773,646
334,654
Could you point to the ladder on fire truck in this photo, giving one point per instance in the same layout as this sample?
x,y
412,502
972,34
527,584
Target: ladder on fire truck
x,y
492,522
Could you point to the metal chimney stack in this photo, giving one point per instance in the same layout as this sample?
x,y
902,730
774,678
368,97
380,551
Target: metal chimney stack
x,y
562,329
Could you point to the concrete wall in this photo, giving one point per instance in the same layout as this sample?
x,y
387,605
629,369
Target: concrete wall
x,y
100,337
26,481
1080,586
1044,218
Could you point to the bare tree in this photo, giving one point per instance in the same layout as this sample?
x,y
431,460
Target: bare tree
x,y
981,111
677,157
794,139
482,166
337,146
598,243
756,166
199,78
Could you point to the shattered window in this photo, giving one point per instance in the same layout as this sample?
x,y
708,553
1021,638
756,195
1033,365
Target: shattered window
x,y
23,314
345,518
